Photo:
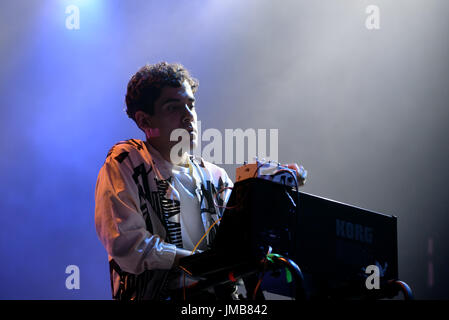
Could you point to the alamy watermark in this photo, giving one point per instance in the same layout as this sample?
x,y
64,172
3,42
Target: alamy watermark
x,y
245,145
72,21
374,272
72,282
373,280
372,22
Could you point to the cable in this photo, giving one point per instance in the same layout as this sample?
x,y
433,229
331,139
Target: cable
x,y
258,167
295,178
257,286
264,263
406,290
193,251
292,266
204,235
215,199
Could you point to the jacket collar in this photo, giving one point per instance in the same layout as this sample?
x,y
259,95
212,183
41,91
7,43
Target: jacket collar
x,y
163,171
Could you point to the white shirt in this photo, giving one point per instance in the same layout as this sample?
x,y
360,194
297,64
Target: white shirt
x,y
192,228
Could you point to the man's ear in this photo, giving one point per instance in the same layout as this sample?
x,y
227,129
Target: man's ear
x,y
142,120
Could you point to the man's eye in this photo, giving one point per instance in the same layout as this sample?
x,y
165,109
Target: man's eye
x,y
176,107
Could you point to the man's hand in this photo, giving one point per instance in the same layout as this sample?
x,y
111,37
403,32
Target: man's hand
x,y
301,173
180,253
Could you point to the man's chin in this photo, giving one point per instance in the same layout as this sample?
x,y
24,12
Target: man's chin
x,y
193,142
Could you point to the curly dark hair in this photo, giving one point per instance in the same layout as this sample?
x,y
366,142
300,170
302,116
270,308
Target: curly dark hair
x,y
145,86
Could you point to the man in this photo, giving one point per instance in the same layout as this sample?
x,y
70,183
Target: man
x,y
153,205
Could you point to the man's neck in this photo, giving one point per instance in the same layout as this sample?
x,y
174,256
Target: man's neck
x,y
166,155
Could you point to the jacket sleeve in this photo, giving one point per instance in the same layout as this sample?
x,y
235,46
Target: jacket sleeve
x,y
120,224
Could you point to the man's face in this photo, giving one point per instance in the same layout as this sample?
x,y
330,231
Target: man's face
x,y
174,109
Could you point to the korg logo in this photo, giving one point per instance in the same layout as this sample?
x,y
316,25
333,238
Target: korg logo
x,y
352,231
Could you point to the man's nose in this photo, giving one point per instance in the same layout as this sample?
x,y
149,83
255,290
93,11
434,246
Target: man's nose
x,y
188,114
